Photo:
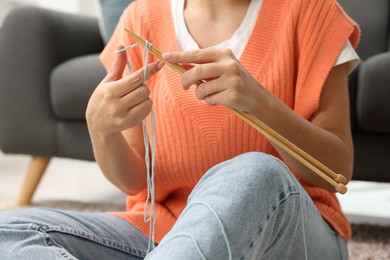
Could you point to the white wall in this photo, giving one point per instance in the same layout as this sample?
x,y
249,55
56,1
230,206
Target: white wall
x,y
86,7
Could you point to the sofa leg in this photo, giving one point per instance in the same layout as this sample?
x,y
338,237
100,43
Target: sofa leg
x,y
35,172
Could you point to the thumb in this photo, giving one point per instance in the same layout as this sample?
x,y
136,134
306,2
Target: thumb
x,y
118,65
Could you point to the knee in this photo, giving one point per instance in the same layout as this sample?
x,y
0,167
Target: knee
x,y
251,174
14,227
21,216
9,217
260,175
256,160
260,167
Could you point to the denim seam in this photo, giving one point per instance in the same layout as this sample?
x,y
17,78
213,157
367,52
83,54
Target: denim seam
x,y
273,213
101,241
288,193
63,252
312,206
281,201
49,242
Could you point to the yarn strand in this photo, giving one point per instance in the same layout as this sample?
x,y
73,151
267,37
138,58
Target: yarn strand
x,y
149,152
192,237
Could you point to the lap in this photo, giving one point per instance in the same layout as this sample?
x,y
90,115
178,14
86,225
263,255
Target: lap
x,y
74,234
250,207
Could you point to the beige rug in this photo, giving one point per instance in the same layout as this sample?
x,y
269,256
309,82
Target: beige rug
x,y
368,242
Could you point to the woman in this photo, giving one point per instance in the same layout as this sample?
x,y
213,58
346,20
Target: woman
x,y
238,196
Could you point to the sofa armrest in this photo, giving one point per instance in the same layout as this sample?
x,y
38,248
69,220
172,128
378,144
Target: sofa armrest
x,y
72,85
32,42
373,97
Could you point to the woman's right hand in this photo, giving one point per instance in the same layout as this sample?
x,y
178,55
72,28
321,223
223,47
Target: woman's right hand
x,y
119,103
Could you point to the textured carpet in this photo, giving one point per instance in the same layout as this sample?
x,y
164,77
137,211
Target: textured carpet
x,y
368,242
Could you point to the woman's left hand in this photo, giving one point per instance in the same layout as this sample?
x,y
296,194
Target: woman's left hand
x,y
225,81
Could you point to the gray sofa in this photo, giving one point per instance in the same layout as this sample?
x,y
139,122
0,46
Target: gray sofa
x,y
49,67
370,90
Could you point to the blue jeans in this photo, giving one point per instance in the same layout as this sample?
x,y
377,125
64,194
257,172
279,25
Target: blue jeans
x,y
250,207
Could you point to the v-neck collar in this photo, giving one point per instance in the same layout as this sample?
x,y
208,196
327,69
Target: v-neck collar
x,y
252,10
261,38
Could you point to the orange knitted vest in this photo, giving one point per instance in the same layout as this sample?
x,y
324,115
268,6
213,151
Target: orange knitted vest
x,y
292,49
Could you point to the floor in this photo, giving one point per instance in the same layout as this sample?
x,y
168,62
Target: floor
x,y
64,179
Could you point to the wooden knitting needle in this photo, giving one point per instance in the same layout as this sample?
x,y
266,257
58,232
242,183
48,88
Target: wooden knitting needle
x,y
338,181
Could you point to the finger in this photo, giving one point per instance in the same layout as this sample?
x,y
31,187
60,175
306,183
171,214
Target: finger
x,y
138,112
218,93
117,67
188,66
198,56
217,98
203,72
133,81
213,100
152,69
135,97
137,78
209,88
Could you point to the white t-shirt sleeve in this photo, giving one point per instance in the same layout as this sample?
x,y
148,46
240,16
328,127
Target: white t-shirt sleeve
x,y
348,54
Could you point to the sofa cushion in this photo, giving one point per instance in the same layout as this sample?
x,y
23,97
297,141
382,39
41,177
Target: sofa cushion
x,y
110,11
373,94
73,140
371,156
72,83
352,84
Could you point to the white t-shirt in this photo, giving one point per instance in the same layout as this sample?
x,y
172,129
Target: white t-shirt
x,y
239,39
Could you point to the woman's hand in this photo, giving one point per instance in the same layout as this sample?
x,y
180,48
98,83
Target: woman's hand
x,y
120,103
326,136
116,105
225,81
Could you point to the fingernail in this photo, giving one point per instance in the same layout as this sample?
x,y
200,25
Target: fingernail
x,y
166,55
160,64
118,48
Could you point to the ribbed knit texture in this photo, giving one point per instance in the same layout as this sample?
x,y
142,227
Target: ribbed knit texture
x,y
291,51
